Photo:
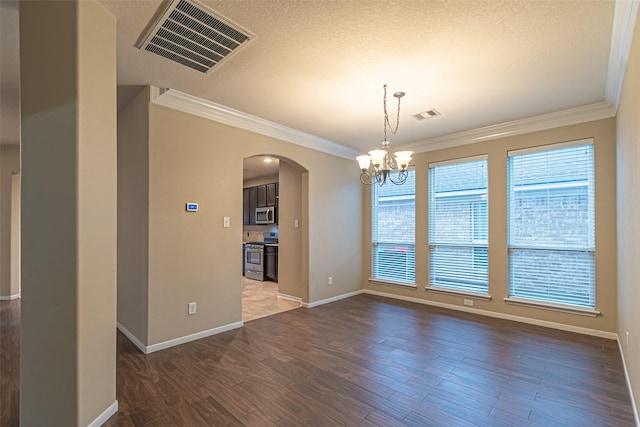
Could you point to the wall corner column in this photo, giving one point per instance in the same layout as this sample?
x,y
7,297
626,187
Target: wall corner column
x,y
68,215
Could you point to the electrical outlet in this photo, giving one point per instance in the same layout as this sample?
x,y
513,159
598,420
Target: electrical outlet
x,y
330,281
192,308
468,302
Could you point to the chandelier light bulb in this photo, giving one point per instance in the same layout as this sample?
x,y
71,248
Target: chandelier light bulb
x,y
364,161
377,157
403,158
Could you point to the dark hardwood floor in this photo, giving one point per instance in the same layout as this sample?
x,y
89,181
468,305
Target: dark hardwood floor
x,y
9,362
366,361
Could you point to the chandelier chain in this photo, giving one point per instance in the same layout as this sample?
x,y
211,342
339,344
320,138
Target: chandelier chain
x,y
387,124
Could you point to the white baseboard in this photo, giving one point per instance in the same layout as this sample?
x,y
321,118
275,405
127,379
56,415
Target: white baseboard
x,y
332,299
547,324
10,297
132,338
289,297
626,375
102,418
177,341
198,335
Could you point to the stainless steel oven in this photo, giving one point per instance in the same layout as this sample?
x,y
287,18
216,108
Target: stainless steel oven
x,y
254,261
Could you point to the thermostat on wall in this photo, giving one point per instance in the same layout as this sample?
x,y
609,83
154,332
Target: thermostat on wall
x,y
192,207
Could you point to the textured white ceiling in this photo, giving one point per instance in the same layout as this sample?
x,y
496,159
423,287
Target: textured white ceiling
x,y
254,167
319,66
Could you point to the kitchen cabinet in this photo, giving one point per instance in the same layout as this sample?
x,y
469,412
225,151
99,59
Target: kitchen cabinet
x,y
276,200
246,207
260,196
271,194
253,204
271,261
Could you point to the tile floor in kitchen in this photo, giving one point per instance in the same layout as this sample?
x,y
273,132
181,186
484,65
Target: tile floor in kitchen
x,y
260,299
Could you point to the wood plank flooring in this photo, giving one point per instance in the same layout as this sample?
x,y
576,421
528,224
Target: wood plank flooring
x,y
9,362
369,361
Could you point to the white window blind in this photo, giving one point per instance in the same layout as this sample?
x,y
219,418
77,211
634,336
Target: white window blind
x,y
552,225
458,226
393,231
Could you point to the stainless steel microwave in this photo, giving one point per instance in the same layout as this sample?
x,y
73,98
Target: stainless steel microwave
x,y
265,215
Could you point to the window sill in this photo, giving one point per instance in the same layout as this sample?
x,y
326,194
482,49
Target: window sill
x,y
390,283
446,291
555,307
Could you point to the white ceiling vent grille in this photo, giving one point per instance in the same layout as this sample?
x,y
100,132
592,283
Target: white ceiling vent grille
x,y
427,114
191,34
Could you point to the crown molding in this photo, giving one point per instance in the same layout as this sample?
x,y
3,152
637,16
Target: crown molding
x,y
181,101
624,22
571,116
186,103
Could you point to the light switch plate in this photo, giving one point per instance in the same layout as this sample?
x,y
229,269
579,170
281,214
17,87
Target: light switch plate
x,y
226,222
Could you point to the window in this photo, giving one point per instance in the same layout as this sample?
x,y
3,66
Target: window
x,y
551,224
458,226
393,216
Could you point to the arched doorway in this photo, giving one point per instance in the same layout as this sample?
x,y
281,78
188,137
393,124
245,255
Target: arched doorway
x,y
271,181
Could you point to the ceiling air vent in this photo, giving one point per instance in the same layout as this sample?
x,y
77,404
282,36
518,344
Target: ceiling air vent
x,y
427,114
191,34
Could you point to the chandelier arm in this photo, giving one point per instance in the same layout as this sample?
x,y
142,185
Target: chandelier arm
x,y
367,179
400,179
364,177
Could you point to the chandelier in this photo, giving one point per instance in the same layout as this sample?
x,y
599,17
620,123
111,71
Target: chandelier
x,y
378,166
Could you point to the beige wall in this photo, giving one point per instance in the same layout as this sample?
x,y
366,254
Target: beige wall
x,y
603,133
48,387
10,164
290,248
133,215
67,351
628,158
191,256
15,234
97,210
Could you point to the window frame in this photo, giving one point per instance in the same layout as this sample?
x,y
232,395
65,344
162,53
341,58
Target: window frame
x,y
475,243
377,243
589,183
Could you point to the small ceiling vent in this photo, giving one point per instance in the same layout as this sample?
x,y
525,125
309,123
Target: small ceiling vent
x,y
427,114
191,34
